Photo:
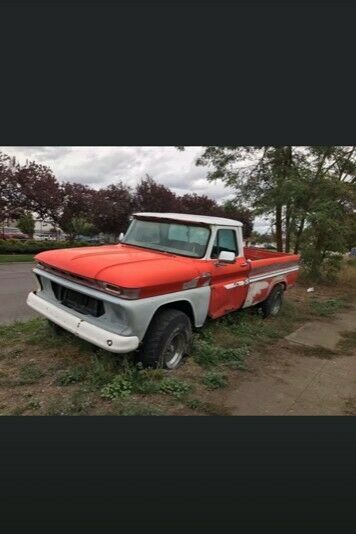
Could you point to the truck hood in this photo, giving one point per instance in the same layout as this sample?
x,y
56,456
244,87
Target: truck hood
x,y
125,266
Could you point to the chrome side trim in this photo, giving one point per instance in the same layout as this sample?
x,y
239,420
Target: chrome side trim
x,y
272,275
254,279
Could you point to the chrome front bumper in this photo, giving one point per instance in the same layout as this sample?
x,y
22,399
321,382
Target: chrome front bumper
x,y
81,328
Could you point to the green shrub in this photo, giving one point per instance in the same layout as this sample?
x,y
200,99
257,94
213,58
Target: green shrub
x,y
121,386
148,381
72,376
215,381
321,267
175,387
15,246
131,381
194,404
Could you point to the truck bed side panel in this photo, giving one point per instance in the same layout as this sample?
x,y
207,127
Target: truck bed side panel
x,y
268,269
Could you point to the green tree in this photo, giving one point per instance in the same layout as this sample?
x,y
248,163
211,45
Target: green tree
x,y
26,223
79,226
308,192
264,178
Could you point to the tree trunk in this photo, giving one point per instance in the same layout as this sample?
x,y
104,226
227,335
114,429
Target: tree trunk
x,y
317,258
279,232
299,236
288,228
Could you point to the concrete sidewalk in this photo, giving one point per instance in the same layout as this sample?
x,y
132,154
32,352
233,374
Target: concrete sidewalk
x,y
325,334
293,383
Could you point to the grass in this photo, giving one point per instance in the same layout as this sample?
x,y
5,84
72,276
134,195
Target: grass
x,y
213,380
207,354
45,374
327,308
205,408
175,387
132,381
16,258
30,373
77,403
74,375
136,408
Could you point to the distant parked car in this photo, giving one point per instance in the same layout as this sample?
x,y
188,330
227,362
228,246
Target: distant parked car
x,y
86,239
12,233
353,252
44,237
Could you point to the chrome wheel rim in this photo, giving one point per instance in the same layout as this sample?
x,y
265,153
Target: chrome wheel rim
x,y
174,351
276,305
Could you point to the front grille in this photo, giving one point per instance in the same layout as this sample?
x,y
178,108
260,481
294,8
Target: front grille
x,y
79,302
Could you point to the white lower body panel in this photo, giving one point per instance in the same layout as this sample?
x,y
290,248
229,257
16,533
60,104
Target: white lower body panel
x,y
98,336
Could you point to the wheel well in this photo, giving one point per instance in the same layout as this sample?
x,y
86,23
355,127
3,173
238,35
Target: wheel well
x,y
283,284
181,305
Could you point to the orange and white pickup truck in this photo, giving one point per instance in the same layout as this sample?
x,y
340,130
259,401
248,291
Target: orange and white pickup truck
x,y
168,275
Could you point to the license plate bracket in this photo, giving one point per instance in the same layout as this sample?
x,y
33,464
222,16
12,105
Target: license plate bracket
x,y
79,302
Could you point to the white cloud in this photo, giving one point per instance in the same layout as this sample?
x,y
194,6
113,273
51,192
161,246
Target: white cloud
x,y
99,166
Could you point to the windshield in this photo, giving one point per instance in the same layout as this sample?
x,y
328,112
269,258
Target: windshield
x,y
181,239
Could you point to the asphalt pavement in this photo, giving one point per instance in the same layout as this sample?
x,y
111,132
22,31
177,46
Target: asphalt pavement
x,y
16,281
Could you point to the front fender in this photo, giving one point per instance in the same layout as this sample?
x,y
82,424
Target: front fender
x,y
139,313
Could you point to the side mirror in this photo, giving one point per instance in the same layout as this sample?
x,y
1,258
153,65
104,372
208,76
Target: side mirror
x,y
121,237
226,257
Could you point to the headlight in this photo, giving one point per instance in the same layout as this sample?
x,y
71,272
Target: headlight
x,y
122,292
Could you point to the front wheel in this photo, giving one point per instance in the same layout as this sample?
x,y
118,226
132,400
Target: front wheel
x,y
167,340
273,304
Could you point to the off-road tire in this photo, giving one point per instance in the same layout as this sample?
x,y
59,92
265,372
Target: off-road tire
x,y
166,326
272,305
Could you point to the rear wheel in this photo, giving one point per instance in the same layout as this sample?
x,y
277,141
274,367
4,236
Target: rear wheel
x,y
273,304
167,340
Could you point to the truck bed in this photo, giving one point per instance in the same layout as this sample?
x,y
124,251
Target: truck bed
x,y
263,260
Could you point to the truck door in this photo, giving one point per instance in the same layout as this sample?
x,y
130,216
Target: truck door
x,y
228,281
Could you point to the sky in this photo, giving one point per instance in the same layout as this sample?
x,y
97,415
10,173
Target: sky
x,y
100,166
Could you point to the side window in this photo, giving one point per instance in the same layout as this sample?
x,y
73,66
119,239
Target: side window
x,y
225,241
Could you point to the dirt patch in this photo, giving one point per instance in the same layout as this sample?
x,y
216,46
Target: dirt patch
x,y
350,406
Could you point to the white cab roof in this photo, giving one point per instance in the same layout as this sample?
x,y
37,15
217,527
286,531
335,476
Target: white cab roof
x,y
216,221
